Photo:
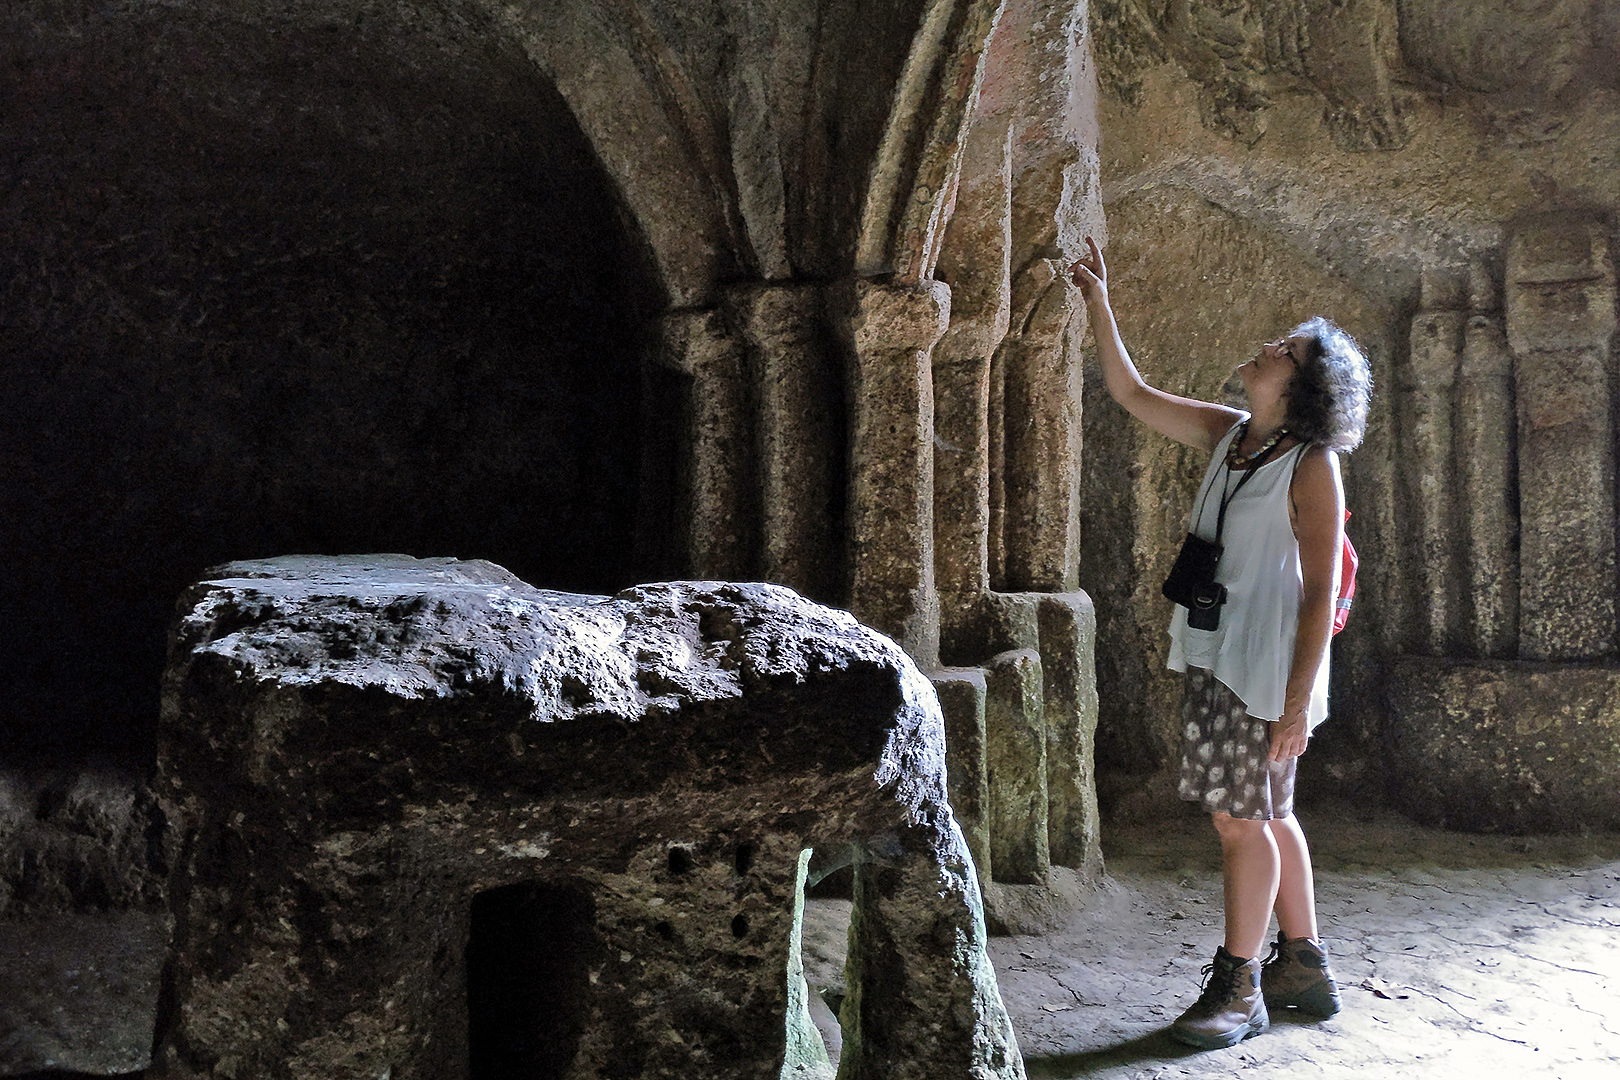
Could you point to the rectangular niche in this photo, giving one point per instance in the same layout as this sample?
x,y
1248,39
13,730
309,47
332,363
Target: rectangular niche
x,y
528,954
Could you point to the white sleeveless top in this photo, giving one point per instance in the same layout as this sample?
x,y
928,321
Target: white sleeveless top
x,y
1253,649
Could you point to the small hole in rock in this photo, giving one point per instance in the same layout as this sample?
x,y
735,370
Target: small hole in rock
x,y
745,858
664,930
680,860
739,926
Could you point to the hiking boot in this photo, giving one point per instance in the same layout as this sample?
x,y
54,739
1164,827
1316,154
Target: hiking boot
x,y
1296,975
1230,1009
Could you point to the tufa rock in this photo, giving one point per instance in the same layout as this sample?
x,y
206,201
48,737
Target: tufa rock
x,y
429,815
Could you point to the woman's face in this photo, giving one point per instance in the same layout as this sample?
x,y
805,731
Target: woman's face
x,y
1266,376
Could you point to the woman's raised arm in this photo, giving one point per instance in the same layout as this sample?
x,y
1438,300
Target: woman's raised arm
x,y
1186,420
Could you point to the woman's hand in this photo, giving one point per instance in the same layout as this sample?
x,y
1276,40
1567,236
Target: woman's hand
x,y
1196,423
1091,275
1289,734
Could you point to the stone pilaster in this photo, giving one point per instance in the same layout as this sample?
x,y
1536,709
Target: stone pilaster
x,y
1560,302
996,541
1068,634
975,262
716,524
1486,481
1424,418
891,331
1015,745
1042,433
961,693
798,432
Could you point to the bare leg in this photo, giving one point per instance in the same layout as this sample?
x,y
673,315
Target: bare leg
x,y
1296,891
1250,867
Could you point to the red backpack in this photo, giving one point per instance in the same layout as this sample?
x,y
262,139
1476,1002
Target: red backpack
x,y
1347,582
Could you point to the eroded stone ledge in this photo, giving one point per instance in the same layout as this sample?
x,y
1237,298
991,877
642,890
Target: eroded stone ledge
x,y
421,804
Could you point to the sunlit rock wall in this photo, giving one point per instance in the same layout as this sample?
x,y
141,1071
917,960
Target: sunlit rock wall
x,y
1430,175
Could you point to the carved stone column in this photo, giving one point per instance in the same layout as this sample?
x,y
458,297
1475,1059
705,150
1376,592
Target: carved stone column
x,y
975,263
799,420
716,525
1041,427
1487,479
1425,422
1560,297
891,331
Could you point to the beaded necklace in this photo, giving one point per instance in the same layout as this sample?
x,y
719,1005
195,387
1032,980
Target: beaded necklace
x,y
1235,459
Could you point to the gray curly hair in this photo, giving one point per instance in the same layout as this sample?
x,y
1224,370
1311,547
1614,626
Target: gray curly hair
x,y
1331,388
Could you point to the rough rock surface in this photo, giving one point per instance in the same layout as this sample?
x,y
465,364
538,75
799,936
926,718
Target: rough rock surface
x,y
1429,174
1507,746
79,991
421,803
79,842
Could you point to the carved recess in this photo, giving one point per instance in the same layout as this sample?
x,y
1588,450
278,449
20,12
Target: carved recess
x,y
1503,708
1507,462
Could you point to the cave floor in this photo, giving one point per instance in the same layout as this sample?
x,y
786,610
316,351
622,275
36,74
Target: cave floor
x,y
1459,956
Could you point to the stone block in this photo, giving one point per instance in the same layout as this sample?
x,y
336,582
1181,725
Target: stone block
x,y
1566,507
429,815
999,622
1506,746
962,693
1015,752
1069,711
1560,297
1560,284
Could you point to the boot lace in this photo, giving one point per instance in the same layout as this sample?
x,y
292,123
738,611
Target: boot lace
x,y
1274,956
1220,984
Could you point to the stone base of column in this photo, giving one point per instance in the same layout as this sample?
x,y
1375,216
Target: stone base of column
x,y
1506,746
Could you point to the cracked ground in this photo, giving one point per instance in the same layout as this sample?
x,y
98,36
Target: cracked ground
x,y
1459,956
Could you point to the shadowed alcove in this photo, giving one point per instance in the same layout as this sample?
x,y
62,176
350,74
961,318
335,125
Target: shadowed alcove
x,y
527,960
282,282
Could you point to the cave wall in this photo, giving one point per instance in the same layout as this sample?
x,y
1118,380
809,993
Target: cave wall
x,y
602,292
599,291
1381,163
290,280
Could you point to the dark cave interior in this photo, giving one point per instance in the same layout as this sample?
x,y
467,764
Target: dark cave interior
x,y
275,287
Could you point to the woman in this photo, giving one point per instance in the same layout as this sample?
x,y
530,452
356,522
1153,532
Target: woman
x,y
1256,681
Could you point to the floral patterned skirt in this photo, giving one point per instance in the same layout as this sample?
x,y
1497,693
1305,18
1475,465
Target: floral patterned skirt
x,y
1224,759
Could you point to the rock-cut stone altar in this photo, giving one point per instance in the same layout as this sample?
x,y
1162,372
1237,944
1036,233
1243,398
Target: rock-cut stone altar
x,y
434,822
